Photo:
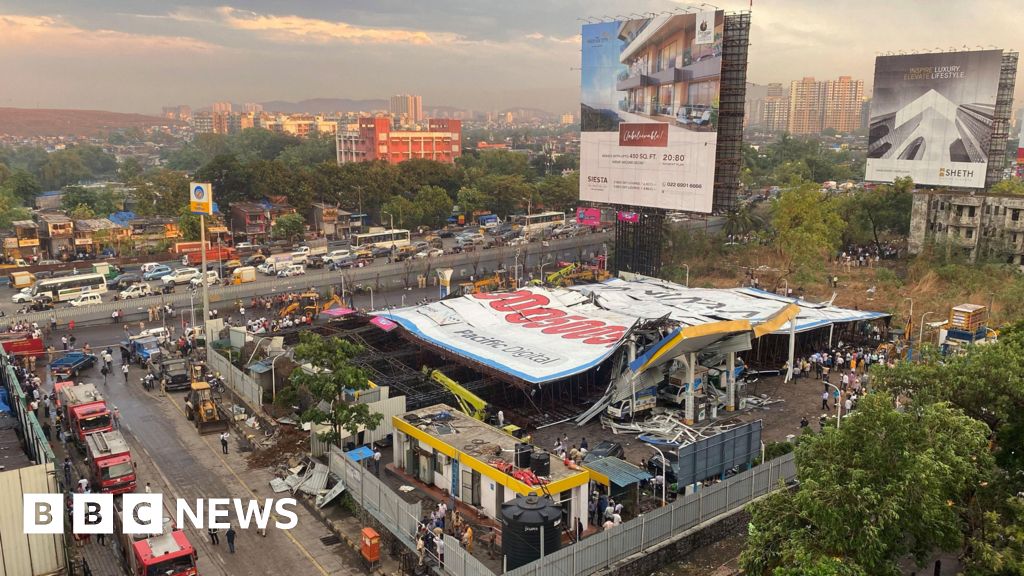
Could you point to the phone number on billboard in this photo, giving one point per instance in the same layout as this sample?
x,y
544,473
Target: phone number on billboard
x,y
681,185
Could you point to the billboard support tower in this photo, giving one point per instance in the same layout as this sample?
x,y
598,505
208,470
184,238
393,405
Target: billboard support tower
x,y
729,154
638,241
1001,118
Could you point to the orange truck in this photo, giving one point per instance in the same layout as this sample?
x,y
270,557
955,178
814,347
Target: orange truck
x,y
215,254
110,462
166,554
84,410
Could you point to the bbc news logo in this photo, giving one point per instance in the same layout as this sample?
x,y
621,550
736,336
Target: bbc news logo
x,y
142,514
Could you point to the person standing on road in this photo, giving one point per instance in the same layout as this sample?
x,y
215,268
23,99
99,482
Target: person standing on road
x,y
104,371
231,539
224,442
824,400
64,342
376,461
124,370
214,538
67,471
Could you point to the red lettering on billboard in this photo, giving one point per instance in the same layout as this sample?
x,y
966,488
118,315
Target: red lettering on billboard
x,y
531,311
653,134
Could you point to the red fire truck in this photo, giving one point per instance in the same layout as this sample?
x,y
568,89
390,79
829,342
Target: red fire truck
x,y
22,344
166,554
84,411
110,462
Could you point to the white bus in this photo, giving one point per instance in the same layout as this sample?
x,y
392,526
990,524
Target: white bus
x,y
385,239
70,287
532,223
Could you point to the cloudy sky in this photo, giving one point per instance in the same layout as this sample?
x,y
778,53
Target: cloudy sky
x,y
138,55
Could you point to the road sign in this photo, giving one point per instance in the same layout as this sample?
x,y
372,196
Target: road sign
x,y
200,195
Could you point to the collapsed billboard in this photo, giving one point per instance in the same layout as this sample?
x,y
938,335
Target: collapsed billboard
x,y
931,117
533,334
649,110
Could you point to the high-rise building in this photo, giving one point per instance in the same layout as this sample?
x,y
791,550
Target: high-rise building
x,y
252,107
202,123
815,106
568,119
374,139
407,106
753,105
844,99
222,107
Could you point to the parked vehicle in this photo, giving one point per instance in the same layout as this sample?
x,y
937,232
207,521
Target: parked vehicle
x,y
122,281
143,349
110,463
230,265
316,262
215,254
655,467
645,400
157,272
172,373
180,276
160,333
140,290
71,364
291,270
351,262
22,296
243,275
149,266
335,255
244,246
254,260
84,410
212,279
167,554
313,248
430,253
86,300
105,269
21,280
604,449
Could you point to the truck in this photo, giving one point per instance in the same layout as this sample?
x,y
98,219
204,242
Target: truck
x,y
21,344
172,373
312,248
489,220
275,263
675,387
84,411
111,469
215,254
186,247
71,364
243,275
143,349
168,553
644,400
105,269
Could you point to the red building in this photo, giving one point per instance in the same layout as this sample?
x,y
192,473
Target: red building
x,y
376,140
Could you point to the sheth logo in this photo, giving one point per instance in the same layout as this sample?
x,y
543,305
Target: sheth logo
x,y
143,513
953,173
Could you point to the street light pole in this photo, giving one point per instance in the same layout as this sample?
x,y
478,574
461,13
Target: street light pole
x,y
687,275
273,375
839,405
920,333
664,474
370,288
391,216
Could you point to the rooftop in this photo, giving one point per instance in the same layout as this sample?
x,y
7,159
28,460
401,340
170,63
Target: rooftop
x,y
53,218
477,439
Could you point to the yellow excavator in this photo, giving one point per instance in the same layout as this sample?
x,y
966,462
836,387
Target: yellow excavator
x,y
332,302
469,403
488,284
574,273
555,277
202,407
308,303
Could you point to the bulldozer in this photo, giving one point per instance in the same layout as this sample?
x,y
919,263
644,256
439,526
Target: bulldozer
x,y
308,303
488,284
203,408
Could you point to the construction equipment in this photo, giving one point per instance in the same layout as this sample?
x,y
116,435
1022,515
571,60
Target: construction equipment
x,y
469,403
333,301
575,273
203,408
488,284
308,303
556,276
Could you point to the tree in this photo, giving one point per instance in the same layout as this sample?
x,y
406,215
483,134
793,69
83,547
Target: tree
x,y
259,144
997,549
11,208
884,209
81,212
98,201
330,375
1010,186
5,173
161,191
470,200
228,177
560,193
22,186
742,221
188,225
130,170
433,206
61,169
402,211
289,226
419,172
807,227
268,178
310,152
899,480
505,194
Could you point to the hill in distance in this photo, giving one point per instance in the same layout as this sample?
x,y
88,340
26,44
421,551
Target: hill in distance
x,y
324,105
28,122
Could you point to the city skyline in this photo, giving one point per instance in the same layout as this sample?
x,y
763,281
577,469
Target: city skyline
x,y
96,54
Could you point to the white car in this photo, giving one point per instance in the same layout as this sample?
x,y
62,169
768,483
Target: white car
x,y
291,270
148,266
212,279
160,332
181,276
135,291
87,300
23,296
430,253
243,246
335,256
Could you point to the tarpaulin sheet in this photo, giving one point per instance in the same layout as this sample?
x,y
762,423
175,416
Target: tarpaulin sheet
x,y
533,334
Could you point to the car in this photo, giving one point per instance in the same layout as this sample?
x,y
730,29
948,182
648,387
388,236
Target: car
x,y
122,281
243,246
49,262
23,296
212,279
180,276
604,449
420,245
135,291
654,467
157,272
444,233
86,299
254,260
291,270
335,255
232,264
375,252
148,266
43,274
316,262
430,253
42,302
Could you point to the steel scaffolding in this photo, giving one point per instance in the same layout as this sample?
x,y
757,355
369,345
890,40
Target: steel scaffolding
x,y
1001,119
729,152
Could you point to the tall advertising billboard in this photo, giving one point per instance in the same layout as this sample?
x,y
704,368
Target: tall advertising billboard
x,y
649,111
931,117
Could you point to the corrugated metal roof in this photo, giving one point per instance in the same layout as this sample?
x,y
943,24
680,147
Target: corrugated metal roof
x,y
315,479
618,472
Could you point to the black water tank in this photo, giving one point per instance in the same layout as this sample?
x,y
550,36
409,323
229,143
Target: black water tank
x,y
522,521
540,463
523,451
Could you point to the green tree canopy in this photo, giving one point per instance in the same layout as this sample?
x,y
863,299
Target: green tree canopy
x,y
807,228
433,206
22,186
1009,186
330,375
560,193
887,484
289,226
161,191
97,200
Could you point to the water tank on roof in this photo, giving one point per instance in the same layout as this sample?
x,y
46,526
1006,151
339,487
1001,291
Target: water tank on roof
x,y
527,520
540,463
522,455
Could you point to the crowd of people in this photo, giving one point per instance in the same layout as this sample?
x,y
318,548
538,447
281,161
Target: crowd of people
x,y
862,255
845,375
432,527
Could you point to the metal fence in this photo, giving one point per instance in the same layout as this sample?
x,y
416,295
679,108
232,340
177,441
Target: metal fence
x,y
243,386
37,445
400,517
379,279
604,549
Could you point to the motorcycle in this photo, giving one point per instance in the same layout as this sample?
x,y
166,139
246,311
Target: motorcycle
x,y
148,382
216,383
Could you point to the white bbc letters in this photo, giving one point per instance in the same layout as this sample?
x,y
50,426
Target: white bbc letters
x,y
143,513
92,514
43,514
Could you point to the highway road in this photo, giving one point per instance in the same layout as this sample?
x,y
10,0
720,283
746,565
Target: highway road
x,y
534,259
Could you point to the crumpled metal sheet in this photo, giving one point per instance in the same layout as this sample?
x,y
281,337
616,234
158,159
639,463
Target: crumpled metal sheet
x,y
314,480
278,485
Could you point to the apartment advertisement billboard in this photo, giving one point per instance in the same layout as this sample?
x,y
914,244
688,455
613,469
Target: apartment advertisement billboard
x,y
931,117
649,110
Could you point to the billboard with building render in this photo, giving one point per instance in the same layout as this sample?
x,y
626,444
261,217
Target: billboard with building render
x,y
931,117
649,110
